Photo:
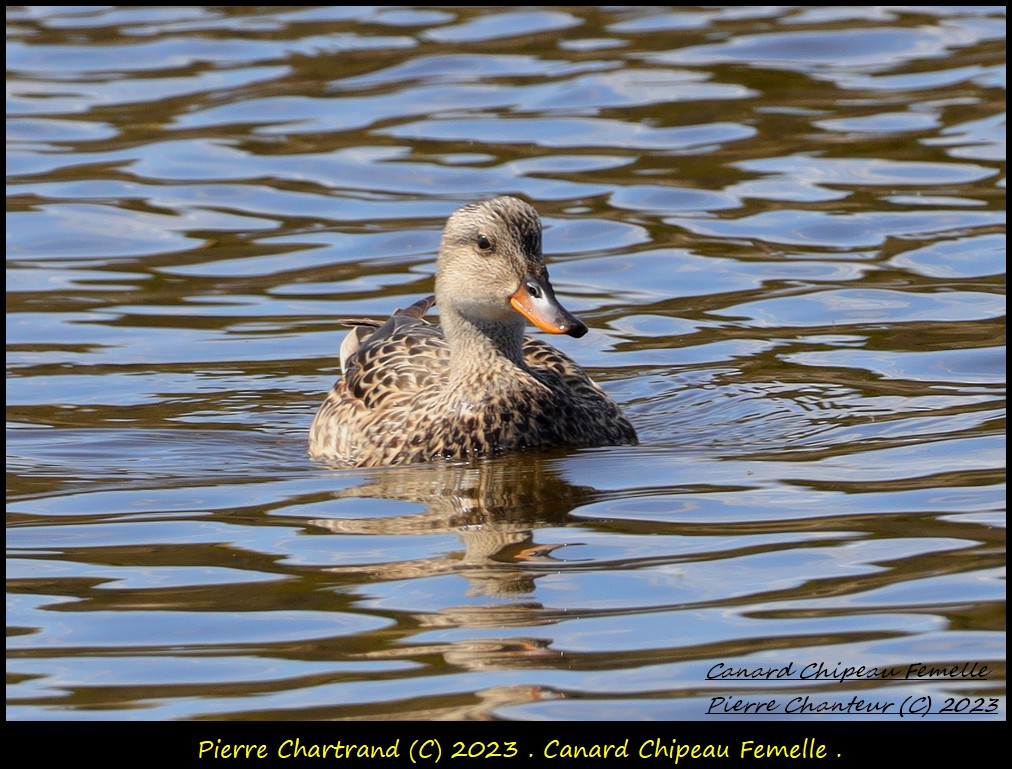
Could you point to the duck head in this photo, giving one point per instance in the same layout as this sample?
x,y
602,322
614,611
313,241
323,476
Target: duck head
x,y
491,267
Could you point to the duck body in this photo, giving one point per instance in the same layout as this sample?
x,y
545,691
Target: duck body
x,y
412,391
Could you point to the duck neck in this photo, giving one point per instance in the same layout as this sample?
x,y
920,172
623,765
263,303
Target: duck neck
x,y
480,347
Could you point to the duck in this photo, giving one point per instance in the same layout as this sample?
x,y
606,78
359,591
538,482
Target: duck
x,y
474,385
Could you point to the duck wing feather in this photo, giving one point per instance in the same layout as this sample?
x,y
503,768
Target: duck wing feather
x,y
394,359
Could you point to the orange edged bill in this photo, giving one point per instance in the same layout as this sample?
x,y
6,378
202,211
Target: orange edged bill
x,y
535,300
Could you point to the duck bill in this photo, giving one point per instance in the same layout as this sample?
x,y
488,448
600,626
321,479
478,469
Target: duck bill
x,y
536,301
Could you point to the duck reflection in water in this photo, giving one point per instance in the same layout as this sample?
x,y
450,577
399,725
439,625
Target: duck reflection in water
x,y
494,506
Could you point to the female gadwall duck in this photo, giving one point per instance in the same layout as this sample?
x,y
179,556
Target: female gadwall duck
x,y
473,386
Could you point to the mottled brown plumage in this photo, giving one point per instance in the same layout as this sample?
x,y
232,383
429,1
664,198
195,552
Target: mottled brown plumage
x,y
474,386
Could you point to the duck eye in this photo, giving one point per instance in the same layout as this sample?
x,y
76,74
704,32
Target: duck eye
x,y
483,242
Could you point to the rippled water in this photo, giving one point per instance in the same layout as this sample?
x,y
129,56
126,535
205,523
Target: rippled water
x,y
785,228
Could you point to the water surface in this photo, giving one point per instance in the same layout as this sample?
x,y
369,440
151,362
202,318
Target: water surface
x,y
785,228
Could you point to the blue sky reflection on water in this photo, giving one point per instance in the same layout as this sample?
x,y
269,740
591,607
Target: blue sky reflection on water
x,y
784,227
